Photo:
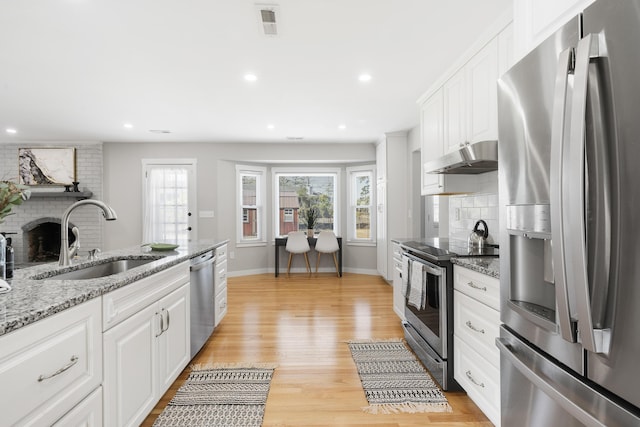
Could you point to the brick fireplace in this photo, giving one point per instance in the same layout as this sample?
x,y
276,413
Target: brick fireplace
x,y
38,211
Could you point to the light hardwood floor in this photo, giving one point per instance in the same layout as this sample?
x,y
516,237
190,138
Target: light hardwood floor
x,y
302,323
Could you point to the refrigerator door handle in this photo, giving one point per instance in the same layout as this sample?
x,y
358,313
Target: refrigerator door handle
x,y
529,365
593,339
558,181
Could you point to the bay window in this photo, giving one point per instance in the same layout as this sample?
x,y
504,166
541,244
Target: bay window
x,y
297,191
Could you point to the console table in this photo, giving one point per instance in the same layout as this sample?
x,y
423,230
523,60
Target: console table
x,y
281,241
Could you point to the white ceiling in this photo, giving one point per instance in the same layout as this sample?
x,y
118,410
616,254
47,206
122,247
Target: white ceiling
x,y
77,70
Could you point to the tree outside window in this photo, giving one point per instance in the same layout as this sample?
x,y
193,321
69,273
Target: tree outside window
x,y
297,193
361,212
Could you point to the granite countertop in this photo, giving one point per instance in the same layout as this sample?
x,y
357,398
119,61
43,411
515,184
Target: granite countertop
x,y
31,300
488,266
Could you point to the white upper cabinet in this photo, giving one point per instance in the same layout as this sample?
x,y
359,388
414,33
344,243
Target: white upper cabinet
x,y
482,94
506,50
470,100
463,109
455,132
431,124
535,20
470,96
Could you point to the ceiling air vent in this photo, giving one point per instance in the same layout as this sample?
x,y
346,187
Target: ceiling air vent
x,y
268,14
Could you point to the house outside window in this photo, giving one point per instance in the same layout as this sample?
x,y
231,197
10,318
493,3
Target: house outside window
x,y
360,226
288,215
296,191
251,191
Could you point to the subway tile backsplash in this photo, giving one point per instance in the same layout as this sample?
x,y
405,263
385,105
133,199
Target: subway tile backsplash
x,y
466,210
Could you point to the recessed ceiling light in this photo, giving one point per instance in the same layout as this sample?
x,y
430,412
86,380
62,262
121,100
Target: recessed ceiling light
x,y
159,131
11,130
342,127
128,125
364,77
250,77
271,127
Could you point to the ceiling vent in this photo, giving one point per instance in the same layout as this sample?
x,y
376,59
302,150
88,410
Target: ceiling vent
x,y
267,14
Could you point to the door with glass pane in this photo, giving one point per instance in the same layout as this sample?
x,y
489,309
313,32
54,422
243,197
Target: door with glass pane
x,y
169,201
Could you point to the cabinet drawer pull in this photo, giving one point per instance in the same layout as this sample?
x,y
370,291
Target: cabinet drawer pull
x,y
474,286
73,361
468,374
473,328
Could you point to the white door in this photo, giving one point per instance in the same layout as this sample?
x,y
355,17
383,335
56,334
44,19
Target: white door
x,y
169,201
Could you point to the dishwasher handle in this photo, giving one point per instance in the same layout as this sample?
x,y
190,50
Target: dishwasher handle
x,y
202,265
196,264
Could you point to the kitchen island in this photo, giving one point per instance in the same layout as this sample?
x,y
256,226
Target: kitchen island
x,y
31,299
97,342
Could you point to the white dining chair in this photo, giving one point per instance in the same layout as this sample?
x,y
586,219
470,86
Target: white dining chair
x,y
297,243
327,243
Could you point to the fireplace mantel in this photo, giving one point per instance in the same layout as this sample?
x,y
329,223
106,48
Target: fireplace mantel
x,y
78,195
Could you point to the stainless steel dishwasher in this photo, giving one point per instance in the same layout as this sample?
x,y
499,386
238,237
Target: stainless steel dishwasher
x,y
202,300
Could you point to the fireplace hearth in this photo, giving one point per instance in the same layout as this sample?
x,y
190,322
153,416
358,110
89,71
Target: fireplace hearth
x,y
42,239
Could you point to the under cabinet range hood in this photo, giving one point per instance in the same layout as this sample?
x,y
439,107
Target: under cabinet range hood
x,y
470,159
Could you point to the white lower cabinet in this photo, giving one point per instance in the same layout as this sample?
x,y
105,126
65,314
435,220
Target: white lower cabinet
x,y
145,353
479,378
131,363
220,283
51,366
476,323
398,297
87,413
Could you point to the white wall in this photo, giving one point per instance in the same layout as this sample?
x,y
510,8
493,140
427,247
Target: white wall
x,y
216,192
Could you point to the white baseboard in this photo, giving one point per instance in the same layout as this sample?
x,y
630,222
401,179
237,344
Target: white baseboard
x,y
298,270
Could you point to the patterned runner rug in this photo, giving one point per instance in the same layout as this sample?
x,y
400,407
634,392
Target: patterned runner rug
x,y
394,380
220,395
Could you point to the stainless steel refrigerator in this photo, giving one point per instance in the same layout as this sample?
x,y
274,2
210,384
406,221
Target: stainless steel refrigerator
x,y
569,171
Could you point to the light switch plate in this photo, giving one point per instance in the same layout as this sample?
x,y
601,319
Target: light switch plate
x,y
205,214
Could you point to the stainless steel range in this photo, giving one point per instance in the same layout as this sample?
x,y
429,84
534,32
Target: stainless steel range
x,y
427,274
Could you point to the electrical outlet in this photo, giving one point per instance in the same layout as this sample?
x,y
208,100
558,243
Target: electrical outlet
x,y
232,255
457,214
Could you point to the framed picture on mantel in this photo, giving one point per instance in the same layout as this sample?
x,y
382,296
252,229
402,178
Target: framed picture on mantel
x,y
47,166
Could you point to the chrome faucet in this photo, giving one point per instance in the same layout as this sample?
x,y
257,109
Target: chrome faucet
x,y
66,252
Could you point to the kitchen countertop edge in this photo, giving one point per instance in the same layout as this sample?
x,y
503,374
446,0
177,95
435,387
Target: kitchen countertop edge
x,y
31,300
486,266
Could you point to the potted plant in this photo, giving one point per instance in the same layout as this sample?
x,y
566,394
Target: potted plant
x,y
11,194
311,217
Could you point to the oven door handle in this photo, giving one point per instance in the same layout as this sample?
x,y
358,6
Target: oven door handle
x,y
428,267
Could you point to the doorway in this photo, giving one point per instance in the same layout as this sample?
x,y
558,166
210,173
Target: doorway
x,y
169,201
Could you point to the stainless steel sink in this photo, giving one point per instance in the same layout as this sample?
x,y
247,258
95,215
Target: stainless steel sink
x,y
104,269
